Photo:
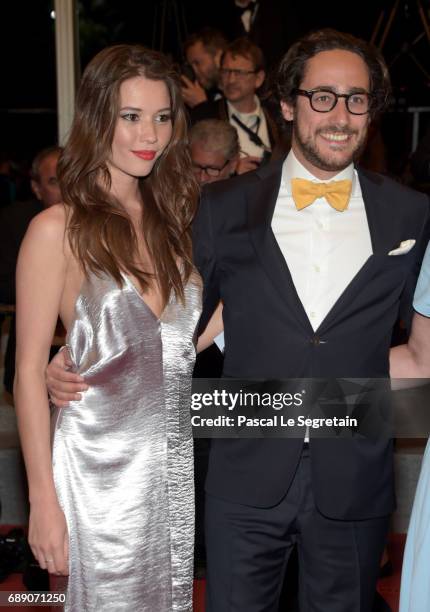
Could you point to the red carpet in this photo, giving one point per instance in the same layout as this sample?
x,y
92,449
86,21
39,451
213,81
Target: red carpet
x,y
388,587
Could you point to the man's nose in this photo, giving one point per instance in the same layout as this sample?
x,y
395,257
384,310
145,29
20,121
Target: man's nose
x,y
340,112
202,176
230,76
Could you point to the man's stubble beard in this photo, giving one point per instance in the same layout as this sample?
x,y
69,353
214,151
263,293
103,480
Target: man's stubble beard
x,y
212,79
311,154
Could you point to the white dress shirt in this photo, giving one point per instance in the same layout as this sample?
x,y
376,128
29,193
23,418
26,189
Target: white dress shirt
x,y
324,248
247,147
249,14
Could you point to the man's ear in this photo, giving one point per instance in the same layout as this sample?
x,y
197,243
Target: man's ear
x,y
287,111
259,79
36,189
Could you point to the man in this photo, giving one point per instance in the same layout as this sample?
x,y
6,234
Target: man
x,y
309,291
14,220
272,25
203,52
43,174
214,148
241,75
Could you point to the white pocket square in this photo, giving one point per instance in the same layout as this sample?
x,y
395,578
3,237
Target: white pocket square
x,y
405,247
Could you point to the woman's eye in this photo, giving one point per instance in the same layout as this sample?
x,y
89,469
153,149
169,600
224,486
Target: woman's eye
x,y
164,117
130,117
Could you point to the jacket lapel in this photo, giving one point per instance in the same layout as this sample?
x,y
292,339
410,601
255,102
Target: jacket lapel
x,y
261,199
378,210
379,214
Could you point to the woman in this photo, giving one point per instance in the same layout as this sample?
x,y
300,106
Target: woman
x,y
114,507
413,360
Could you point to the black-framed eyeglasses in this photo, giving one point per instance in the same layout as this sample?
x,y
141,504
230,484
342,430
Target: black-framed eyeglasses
x,y
324,100
209,170
241,74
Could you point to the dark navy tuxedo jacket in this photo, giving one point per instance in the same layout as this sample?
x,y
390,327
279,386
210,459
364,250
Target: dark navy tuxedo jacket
x,y
268,335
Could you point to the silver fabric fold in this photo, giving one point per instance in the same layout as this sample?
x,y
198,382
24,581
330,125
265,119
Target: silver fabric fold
x,y
122,456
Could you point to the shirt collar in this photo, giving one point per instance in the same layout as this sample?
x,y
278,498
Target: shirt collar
x,y
255,113
293,168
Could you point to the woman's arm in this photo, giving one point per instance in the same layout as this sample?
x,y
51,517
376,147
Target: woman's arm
x,y
212,330
412,360
41,272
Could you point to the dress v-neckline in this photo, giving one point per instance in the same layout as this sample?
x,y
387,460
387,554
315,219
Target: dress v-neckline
x,y
140,296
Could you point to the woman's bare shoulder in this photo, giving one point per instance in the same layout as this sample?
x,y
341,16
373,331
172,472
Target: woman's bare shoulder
x,y
46,235
50,224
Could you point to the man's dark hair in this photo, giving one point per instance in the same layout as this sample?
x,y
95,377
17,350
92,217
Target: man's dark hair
x,y
243,47
211,39
292,68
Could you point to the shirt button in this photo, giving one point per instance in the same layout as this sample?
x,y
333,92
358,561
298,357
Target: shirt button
x,y
320,224
317,268
312,315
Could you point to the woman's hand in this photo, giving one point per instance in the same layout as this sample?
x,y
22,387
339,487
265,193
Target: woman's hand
x,y
48,537
63,385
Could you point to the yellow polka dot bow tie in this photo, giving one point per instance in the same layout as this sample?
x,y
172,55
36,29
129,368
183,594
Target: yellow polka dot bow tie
x,y
337,193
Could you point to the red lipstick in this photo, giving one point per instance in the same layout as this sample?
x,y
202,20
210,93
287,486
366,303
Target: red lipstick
x,y
146,155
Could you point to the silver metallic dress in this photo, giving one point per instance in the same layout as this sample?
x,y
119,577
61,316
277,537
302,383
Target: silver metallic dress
x,y
122,456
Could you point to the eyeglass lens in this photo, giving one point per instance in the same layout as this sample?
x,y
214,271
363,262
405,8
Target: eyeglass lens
x,y
325,101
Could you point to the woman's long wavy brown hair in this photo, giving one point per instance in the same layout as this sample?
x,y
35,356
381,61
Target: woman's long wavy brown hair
x,y
100,231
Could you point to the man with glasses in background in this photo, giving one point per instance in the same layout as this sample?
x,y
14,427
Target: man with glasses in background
x,y
214,148
240,77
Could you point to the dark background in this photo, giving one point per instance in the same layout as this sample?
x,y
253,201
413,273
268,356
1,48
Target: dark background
x,y
27,52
